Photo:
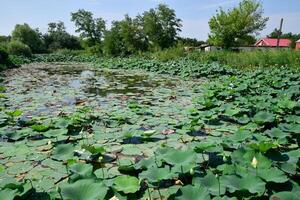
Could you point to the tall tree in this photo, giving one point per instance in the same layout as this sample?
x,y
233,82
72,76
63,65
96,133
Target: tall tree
x,y
161,26
229,27
133,35
125,37
33,38
89,28
113,44
58,38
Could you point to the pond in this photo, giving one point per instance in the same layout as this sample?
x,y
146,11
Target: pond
x,y
57,109
48,89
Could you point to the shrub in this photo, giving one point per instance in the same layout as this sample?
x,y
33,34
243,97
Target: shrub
x,y
3,56
18,48
29,36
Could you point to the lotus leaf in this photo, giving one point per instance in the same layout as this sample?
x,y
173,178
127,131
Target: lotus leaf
x,y
126,184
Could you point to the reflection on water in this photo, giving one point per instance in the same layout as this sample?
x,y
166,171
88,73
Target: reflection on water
x,y
48,89
105,82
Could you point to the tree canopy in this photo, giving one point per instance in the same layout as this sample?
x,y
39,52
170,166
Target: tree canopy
x,y
58,38
229,27
125,37
89,28
33,38
161,26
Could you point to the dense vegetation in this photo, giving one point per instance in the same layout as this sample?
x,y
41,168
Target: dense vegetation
x,y
155,122
174,57
237,139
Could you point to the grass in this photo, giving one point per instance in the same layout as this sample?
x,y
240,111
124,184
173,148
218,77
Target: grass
x,y
244,60
253,59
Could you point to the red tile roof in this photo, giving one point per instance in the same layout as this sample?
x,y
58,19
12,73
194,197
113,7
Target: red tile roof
x,y
272,42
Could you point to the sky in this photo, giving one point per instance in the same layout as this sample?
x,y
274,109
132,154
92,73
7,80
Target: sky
x,y
195,14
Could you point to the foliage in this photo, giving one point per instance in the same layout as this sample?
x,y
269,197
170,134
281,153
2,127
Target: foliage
x,y
18,48
113,43
161,26
4,38
3,56
32,38
236,24
228,134
190,42
125,37
90,29
169,54
249,60
58,38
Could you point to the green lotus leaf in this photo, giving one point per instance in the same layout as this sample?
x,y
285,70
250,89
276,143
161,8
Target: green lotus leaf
x,y
8,194
63,152
16,135
82,169
240,136
131,150
272,175
232,111
212,183
190,192
85,189
126,184
94,149
55,132
126,165
285,196
263,146
286,103
263,117
249,182
155,174
62,123
40,128
204,146
15,113
293,119
277,133
177,157
293,128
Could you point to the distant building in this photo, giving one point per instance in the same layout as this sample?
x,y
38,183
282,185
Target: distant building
x,y
272,42
298,45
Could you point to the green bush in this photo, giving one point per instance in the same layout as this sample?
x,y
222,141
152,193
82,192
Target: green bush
x,y
18,48
3,56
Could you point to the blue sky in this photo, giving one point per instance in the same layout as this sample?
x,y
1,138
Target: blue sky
x,y
194,13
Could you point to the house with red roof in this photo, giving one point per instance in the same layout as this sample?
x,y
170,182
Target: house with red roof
x,y
272,42
298,44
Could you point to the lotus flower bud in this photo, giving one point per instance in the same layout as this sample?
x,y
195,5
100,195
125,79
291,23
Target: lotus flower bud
x,y
254,162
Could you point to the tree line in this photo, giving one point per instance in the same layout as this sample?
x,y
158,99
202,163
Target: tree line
x,y
153,30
